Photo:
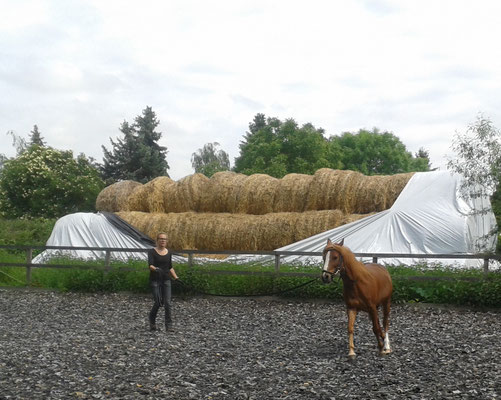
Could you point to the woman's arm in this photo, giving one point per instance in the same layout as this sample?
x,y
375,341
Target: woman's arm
x,y
173,274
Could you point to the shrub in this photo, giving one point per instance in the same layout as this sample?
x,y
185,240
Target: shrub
x,y
47,183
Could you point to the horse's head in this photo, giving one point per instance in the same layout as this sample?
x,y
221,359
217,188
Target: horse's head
x,y
333,260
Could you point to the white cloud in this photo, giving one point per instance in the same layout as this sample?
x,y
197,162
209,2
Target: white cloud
x,y
77,69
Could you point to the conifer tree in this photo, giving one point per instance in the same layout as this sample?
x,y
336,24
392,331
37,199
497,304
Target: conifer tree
x,y
137,155
36,138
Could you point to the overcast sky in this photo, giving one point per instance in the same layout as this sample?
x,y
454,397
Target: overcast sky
x,y
77,69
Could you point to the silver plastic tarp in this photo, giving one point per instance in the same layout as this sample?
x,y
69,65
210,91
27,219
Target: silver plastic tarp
x,y
430,216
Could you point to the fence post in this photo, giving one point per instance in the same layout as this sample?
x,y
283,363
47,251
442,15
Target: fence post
x,y
277,271
486,267
374,260
29,259
190,260
107,260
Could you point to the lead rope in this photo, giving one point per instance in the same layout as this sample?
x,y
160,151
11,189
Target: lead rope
x,y
248,295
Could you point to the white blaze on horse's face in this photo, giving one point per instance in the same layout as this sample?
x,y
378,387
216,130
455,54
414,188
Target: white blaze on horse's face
x,y
327,275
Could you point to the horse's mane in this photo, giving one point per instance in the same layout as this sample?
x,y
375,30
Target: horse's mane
x,y
347,254
350,260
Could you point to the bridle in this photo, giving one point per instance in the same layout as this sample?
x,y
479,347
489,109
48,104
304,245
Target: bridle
x,y
340,267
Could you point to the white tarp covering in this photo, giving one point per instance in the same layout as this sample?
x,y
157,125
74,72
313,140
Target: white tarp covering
x,y
429,217
89,230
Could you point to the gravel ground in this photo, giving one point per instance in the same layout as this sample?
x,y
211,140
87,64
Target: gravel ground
x,y
97,346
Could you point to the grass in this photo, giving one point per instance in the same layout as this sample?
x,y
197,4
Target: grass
x,y
420,284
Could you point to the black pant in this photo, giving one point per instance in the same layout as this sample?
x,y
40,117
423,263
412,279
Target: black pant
x,y
162,294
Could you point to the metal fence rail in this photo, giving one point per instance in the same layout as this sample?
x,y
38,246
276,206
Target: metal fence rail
x,y
28,264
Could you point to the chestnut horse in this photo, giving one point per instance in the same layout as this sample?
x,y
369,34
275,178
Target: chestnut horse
x,y
365,288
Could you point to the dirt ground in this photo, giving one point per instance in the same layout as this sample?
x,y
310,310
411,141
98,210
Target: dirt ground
x,y
98,346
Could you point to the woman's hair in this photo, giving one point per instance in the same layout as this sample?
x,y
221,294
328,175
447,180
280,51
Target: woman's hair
x,y
161,233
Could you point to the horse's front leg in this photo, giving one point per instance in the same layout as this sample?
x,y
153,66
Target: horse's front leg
x,y
376,328
352,316
386,325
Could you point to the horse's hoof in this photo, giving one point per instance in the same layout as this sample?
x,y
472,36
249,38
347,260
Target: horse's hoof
x,y
351,357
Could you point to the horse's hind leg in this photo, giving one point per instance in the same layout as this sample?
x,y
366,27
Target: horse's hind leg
x,y
376,328
352,315
386,325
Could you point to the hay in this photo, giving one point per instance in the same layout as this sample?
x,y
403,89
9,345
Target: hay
x,y
228,192
149,197
292,193
232,211
354,193
137,200
186,194
223,192
154,191
378,193
257,195
226,231
115,197
332,189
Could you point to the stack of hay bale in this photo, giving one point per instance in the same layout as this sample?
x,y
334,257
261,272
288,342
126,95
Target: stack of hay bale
x,y
231,211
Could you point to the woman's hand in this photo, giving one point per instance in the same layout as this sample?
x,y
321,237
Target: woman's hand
x,y
153,268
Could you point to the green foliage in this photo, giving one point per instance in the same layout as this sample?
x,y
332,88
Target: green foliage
x,y
137,156
46,183
419,284
375,153
209,160
23,232
278,148
496,209
478,160
478,155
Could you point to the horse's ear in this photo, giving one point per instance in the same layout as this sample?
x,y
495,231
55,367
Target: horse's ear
x,y
341,243
329,241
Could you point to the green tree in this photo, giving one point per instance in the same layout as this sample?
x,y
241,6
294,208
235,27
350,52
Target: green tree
x,y
421,161
45,182
374,152
278,148
209,160
36,138
478,160
137,156
478,155
21,145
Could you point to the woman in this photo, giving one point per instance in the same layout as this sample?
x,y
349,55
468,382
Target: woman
x,y
161,271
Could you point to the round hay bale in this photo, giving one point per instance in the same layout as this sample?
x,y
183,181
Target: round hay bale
x,y
154,191
223,191
149,197
226,231
332,189
186,194
292,193
379,192
354,193
115,197
257,195
177,226
137,200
